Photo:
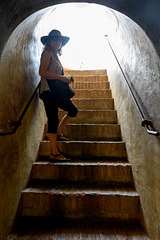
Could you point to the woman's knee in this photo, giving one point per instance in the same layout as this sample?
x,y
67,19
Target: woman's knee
x,y
73,112
52,129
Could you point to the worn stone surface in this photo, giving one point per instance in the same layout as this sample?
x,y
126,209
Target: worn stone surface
x,y
19,78
142,68
71,202
95,103
105,132
98,172
88,149
17,153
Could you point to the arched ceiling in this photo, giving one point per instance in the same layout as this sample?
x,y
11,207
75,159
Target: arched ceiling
x,y
145,13
23,47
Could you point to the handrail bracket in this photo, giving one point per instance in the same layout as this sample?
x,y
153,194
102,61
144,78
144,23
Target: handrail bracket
x,y
16,123
149,127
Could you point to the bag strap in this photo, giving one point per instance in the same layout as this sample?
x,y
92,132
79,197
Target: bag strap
x,y
62,73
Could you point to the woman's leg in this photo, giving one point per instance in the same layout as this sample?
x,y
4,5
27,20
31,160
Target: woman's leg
x,y
63,123
72,112
55,155
53,143
51,108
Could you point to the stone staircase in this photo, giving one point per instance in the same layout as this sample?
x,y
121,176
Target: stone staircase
x,y
91,197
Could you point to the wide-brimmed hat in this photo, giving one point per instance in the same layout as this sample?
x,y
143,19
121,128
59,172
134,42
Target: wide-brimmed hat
x,y
53,34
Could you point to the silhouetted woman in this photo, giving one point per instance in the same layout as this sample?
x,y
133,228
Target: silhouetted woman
x,y
51,72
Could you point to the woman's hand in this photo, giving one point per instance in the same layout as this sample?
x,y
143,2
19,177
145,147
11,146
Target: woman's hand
x,y
65,79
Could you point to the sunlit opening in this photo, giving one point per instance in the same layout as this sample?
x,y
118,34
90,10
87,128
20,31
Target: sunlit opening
x,y
86,25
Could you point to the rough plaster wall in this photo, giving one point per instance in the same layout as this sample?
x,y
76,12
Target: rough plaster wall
x,y
141,64
19,77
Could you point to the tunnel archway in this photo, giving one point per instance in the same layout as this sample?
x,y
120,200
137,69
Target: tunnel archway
x,y
24,48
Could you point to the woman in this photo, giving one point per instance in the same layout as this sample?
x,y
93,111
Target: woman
x,y
51,71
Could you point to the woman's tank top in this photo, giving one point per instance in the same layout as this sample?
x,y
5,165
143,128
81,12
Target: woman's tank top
x,y
55,66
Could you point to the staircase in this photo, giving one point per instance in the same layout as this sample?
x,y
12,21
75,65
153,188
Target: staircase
x,y
91,197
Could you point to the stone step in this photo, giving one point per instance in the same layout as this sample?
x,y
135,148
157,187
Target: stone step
x,y
73,202
96,132
95,185
94,103
87,149
90,85
87,73
91,78
93,116
106,173
53,228
92,93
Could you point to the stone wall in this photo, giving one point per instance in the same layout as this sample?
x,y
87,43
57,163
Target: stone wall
x,y
141,66
19,66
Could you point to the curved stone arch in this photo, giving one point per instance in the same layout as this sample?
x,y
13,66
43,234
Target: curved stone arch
x,y
23,49
14,12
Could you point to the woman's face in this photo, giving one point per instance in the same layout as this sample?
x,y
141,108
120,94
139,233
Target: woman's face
x,y
56,43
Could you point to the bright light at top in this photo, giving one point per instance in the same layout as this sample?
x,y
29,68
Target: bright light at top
x,y
85,24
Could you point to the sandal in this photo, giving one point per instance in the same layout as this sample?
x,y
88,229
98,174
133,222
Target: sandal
x,y
56,158
60,137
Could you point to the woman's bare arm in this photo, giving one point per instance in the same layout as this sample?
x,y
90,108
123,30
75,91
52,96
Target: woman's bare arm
x,y
43,69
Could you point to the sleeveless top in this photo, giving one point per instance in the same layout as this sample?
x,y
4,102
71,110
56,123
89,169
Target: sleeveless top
x,y
55,66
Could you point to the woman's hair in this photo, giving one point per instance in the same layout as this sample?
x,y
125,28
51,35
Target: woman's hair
x,y
47,46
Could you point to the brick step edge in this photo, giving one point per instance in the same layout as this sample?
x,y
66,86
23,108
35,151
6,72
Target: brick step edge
x,y
90,132
105,174
87,149
72,203
96,72
93,117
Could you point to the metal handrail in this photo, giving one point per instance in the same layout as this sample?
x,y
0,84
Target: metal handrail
x,y
144,122
18,123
